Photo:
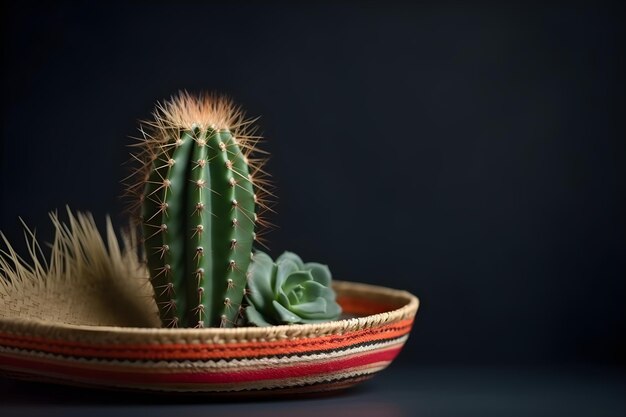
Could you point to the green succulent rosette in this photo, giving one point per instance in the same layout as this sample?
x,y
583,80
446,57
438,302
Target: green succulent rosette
x,y
289,291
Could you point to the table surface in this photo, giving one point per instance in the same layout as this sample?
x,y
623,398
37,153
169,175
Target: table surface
x,y
400,390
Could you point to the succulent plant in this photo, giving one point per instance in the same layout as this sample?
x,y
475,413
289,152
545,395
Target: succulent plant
x,y
197,194
289,291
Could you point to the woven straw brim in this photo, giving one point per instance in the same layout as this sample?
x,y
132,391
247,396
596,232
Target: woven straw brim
x,y
248,360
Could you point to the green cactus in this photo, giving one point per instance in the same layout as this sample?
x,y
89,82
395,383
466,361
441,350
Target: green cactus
x,y
198,210
289,291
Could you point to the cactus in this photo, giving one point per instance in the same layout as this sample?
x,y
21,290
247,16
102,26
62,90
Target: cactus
x,y
197,195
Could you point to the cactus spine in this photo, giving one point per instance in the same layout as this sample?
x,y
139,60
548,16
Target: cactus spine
x,y
198,209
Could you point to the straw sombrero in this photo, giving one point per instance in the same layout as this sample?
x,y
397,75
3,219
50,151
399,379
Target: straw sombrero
x,y
86,316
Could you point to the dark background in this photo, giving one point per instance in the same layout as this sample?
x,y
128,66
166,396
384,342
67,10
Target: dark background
x,y
472,154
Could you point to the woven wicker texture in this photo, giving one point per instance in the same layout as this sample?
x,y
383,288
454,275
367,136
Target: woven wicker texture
x,y
248,360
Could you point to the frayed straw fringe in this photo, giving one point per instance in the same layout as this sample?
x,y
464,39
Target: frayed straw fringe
x,y
85,281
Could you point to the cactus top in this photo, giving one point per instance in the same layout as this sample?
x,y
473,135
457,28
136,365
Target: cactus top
x,y
186,112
